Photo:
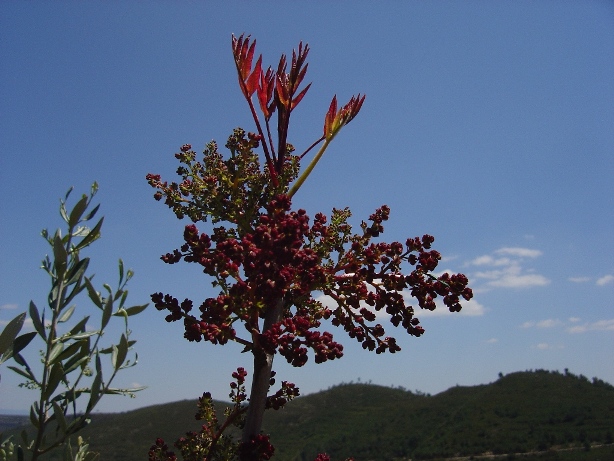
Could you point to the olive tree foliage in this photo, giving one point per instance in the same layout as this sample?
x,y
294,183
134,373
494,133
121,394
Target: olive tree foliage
x,y
76,368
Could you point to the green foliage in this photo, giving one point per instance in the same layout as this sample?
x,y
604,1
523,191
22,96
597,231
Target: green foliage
x,y
381,423
72,357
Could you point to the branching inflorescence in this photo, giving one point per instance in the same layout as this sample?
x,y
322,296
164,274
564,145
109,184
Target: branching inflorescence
x,y
280,274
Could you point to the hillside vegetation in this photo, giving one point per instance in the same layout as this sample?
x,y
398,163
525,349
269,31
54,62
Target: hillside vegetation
x,y
518,413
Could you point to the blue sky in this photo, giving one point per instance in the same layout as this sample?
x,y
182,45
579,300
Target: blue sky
x,y
489,125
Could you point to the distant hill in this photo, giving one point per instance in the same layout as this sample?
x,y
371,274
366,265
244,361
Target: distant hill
x,y
519,413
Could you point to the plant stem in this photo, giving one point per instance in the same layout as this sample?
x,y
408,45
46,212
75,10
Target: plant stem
x,y
263,364
299,182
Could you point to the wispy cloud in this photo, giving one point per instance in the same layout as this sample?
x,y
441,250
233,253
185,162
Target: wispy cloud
x,y
572,325
605,280
492,341
548,323
519,252
504,268
9,306
599,325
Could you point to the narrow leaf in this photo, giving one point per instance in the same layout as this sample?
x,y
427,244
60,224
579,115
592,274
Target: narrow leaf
x,y
55,352
36,321
106,312
94,392
55,376
77,211
92,293
59,416
33,417
93,235
85,334
22,341
67,314
69,351
122,352
25,373
121,271
92,213
79,327
60,256
10,332
136,309
75,362
77,271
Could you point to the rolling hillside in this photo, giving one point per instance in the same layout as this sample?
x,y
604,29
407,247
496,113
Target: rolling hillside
x,y
518,413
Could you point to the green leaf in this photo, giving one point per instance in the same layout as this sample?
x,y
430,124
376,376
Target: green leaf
x,y
59,416
55,376
77,271
25,373
121,271
36,321
92,213
33,417
93,235
79,327
19,359
68,193
67,314
98,366
94,392
92,293
55,352
106,312
60,256
85,334
22,341
136,309
10,332
78,288
77,211
119,354
69,351
76,362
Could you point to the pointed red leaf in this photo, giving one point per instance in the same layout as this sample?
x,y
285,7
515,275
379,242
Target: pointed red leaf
x,y
254,79
300,96
330,116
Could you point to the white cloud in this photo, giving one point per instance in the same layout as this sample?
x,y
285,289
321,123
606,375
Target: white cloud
x,y
488,260
520,281
547,323
492,341
599,325
507,271
579,279
520,252
605,280
574,319
9,306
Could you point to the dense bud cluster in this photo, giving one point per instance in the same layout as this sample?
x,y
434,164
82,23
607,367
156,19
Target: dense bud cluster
x,y
284,257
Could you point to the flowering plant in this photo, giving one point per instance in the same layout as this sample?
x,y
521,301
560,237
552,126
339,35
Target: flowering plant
x,y
269,261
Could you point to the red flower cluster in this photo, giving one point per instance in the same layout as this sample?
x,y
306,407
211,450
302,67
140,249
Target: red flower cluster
x,y
286,258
